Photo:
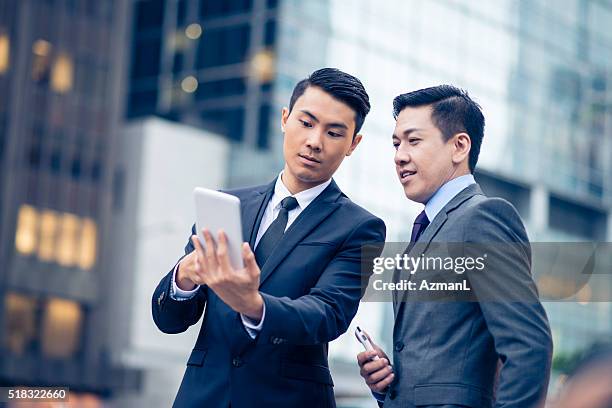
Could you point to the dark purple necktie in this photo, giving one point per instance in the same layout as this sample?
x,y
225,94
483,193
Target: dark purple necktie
x,y
420,223
419,226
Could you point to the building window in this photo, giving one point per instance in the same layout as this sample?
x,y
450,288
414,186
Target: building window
x,y
27,223
88,243
20,322
61,328
146,57
67,242
223,46
4,53
149,14
270,33
62,75
63,238
577,220
48,231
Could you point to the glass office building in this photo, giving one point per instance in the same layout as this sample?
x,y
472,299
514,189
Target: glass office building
x,y
542,71
59,111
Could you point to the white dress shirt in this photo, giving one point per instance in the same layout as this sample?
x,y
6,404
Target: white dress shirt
x,y
304,198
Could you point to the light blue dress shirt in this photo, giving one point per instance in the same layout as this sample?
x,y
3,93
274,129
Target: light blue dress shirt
x,y
447,192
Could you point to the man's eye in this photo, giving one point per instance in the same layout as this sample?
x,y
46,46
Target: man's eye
x,y
413,141
306,124
396,146
334,134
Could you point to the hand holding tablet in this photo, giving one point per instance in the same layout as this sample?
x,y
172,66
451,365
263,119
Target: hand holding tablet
x,y
219,211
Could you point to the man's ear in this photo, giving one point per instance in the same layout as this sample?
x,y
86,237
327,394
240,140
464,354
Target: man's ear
x,y
284,118
356,141
462,144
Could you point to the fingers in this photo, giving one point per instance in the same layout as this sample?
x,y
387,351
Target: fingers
x,y
381,386
199,266
222,252
375,365
377,376
250,263
210,256
365,356
197,245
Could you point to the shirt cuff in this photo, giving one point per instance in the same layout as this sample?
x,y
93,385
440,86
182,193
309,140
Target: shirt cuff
x,y
252,328
379,397
177,293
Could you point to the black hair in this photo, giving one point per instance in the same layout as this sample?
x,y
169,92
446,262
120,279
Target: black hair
x,y
342,86
452,111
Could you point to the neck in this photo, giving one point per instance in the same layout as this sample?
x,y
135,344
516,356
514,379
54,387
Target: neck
x,y
295,185
455,173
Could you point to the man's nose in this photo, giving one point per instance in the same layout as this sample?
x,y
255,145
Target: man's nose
x,y
314,141
401,157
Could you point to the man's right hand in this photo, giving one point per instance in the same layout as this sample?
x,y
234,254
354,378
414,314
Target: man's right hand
x,y
378,374
190,271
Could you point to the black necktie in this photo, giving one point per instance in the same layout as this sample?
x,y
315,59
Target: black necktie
x,y
275,232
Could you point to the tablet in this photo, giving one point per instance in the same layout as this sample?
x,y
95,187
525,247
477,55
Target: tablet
x,y
215,211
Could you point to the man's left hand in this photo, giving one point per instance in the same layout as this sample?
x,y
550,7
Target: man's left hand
x,y
238,288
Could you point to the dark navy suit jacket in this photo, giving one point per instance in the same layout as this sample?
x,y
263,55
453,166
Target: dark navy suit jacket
x,y
311,286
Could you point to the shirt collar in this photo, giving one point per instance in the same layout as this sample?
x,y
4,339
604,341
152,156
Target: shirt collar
x,y
446,193
304,198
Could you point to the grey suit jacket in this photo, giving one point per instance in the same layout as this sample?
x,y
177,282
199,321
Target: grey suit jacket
x,y
446,352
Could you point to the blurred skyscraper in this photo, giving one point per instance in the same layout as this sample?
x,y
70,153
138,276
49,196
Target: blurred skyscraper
x,y
60,72
541,70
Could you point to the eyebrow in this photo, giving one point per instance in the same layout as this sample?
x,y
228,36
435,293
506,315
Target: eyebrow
x,y
335,124
407,132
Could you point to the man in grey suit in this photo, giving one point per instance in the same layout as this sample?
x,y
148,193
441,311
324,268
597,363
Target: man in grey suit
x,y
493,347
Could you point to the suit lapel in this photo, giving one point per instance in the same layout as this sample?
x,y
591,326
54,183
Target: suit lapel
x,y
253,211
432,229
322,206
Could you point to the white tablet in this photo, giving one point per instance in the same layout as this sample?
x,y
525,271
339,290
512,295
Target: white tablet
x,y
215,211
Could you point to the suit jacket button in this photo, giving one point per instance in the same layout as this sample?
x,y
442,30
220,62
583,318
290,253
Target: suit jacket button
x,y
237,362
399,346
392,394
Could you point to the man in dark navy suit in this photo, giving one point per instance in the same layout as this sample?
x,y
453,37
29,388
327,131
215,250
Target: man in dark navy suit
x,y
266,328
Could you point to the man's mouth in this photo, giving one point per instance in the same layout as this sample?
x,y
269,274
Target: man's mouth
x,y
308,158
404,175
